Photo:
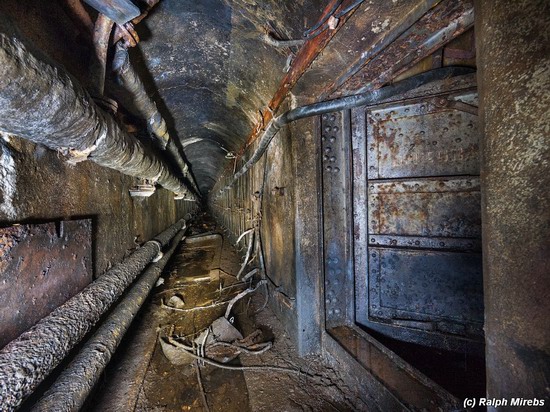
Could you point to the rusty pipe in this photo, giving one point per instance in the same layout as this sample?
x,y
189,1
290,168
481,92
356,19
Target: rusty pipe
x,y
102,32
69,392
27,360
80,17
342,103
46,105
128,78
127,32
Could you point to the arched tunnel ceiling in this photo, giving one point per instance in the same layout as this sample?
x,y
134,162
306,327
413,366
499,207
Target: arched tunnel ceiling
x,y
211,72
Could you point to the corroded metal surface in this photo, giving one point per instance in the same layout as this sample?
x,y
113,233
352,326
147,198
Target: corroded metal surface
x,y
368,32
41,267
424,138
337,224
440,25
423,207
98,66
411,390
450,282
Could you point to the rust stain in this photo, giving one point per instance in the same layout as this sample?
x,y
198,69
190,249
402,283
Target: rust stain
x,y
306,55
411,47
303,60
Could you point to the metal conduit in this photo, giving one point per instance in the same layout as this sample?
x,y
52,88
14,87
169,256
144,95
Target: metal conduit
x,y
27,360
72,387
102,32
342,103
127,77
44,104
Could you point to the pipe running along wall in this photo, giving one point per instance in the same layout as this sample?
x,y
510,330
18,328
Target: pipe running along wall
x,y
72,387
128,78
27,360
44,104
341,104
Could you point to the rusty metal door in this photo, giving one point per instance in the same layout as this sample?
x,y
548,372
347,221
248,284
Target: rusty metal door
x,y
417,210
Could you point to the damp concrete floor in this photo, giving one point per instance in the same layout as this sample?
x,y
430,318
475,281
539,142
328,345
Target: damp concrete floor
x,y
153,372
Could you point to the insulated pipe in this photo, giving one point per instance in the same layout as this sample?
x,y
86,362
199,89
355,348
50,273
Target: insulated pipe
x,y
129,79
74,384
44,104
28,359
341,104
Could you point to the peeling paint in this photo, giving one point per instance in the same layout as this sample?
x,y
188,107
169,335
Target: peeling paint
x,y
378,27
8,182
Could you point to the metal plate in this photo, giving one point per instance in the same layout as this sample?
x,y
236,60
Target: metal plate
x,y
424,289
337,218
429,137
443,208
120,11
41,267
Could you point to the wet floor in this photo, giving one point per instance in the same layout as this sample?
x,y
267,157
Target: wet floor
x,y
153,371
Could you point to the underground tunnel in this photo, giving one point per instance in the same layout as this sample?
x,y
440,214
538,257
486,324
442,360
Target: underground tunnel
x,y
242,205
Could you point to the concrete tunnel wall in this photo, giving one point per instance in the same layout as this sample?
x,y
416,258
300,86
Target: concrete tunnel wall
x,y
280,196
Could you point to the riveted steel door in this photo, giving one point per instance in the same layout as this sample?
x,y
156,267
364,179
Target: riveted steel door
x,y
417,218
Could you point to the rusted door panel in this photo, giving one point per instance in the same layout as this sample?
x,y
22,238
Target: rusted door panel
x,y
423,278
430,137
443,208
435,288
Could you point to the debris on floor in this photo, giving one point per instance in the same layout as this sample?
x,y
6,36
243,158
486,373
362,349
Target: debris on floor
x,y
216,346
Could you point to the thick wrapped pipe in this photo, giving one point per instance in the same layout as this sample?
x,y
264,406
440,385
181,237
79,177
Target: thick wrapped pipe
x,y
74,384
129,79
44,104
28,359
342,103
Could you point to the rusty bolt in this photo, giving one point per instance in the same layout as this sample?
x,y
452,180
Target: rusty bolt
x,y
442,102
278,191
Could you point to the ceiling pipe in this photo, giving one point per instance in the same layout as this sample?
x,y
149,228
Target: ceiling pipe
x,y
129,79
69,392
102,32
46,105
28,359
126,32
80,17
342,103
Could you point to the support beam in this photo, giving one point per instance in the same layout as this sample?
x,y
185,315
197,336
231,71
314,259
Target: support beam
x,y
44,104
513,49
